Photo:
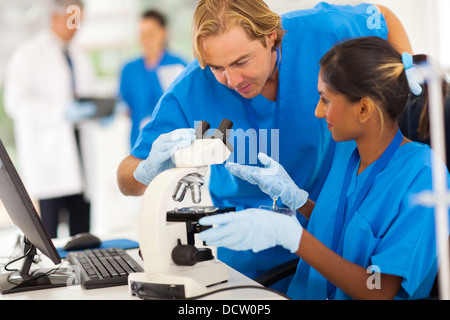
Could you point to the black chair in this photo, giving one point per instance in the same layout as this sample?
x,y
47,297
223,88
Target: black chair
x,y
277,273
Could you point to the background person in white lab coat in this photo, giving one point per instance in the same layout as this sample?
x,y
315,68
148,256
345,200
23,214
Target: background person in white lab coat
x,y
40,86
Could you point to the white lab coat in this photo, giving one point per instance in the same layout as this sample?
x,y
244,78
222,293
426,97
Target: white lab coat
x,y
37,91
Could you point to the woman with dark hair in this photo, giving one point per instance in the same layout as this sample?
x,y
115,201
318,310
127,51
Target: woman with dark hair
x,y
366,237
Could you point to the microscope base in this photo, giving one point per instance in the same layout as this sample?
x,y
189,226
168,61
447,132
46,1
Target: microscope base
x,y
184,283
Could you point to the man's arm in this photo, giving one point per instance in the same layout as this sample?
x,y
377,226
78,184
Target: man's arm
x,y
128,185
397,35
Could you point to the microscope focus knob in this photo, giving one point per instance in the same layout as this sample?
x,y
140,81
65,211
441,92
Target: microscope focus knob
x,y
189,255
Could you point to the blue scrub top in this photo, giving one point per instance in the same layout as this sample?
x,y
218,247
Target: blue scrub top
x,y
140,88
286,130
388,231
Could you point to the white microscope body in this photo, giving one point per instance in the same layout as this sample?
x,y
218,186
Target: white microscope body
x,y
159,238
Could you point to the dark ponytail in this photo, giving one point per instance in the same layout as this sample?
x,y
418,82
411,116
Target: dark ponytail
x,y
423,128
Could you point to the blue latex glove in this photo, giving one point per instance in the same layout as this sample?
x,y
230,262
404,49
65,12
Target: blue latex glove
x,y
272,179
252,229
78,111
160,157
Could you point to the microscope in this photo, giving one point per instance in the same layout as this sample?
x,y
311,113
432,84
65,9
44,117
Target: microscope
x,y
176,265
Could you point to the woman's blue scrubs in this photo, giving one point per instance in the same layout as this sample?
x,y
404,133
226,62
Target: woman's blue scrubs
x,y
388,231
287,129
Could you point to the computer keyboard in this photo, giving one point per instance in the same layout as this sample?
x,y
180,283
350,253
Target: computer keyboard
x,y
100,268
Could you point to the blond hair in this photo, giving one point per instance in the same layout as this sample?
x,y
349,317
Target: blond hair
x,y
214,17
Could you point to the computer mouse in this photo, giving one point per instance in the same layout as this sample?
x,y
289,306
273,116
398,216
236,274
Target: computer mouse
x,y
82,241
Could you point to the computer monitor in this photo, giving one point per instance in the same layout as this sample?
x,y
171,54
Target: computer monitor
x,y
23,214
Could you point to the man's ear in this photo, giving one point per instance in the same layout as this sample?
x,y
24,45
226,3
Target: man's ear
x,y
366,109
271,38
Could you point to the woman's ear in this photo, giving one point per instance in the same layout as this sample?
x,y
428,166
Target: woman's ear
x,y
366,109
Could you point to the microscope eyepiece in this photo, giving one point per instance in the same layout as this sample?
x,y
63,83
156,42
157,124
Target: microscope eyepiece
x,y
201,129
225,125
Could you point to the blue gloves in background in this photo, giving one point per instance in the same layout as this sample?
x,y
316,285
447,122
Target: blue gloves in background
x,y
160,157
252,229
78,111
273,180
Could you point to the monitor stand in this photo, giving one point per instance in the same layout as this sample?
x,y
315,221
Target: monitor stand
x,y
36,279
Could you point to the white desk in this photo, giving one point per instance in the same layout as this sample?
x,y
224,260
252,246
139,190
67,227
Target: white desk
x,y
121,292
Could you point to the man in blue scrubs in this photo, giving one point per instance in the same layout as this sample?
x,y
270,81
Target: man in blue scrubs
x,y
260,71
144,80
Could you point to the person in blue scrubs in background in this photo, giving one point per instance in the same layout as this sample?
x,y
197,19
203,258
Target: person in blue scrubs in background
x,y
257,69
144,80
367,237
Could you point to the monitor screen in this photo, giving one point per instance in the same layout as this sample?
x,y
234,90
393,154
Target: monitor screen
x,y
21,209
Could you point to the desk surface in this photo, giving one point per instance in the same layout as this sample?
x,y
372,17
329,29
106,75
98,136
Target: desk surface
x,y
121,292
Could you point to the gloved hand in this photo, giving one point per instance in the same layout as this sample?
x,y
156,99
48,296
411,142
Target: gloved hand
x,y
414,76
272,180
78,111
252,229
160,157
